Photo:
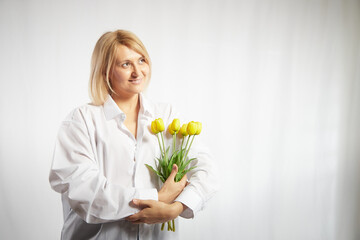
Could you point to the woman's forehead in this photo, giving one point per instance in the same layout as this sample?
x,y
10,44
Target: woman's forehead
x,y
124,53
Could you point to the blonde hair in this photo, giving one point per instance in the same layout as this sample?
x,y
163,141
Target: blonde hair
x,y
103,59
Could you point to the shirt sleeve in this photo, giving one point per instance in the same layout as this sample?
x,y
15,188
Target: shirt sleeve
x,y
76,174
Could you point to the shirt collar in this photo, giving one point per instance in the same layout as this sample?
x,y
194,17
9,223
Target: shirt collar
x,y
146,107
111,109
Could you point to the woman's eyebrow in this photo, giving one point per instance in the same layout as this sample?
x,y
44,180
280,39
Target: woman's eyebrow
x,y
129,59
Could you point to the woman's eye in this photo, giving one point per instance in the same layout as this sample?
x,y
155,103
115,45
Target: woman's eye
x,y
142,60
125,64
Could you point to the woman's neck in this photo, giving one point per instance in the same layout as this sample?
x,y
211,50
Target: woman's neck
x,y
129,105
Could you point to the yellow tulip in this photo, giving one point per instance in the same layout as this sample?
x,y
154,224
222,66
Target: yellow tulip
x,y
191,128
199,127
160,125
153,127
170,130
183,130
175,125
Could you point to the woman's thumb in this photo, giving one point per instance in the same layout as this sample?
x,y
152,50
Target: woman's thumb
x,y
173,172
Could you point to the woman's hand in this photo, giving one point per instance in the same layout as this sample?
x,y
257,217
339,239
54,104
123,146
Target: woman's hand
x,y
171,189
155,211
165,209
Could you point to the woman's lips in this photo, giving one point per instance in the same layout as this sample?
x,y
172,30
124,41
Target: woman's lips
x,y
136,81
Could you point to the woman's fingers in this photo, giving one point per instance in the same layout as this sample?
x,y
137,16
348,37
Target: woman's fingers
x,y
156,212
133,218
140,204
136,216
143,203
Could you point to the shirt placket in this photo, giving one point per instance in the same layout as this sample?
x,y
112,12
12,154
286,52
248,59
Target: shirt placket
x,y
139,137
138,140
135,148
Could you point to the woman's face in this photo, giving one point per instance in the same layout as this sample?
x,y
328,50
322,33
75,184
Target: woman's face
x,y
130,72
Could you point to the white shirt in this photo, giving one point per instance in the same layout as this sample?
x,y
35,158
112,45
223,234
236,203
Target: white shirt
x,y
99,167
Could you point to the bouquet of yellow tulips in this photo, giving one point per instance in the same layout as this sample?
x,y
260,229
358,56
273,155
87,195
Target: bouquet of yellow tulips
x,y
178,155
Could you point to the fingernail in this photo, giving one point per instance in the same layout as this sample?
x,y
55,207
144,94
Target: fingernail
x,y
135,201
174,167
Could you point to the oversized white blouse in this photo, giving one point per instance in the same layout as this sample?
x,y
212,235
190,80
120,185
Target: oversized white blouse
x,y
99,167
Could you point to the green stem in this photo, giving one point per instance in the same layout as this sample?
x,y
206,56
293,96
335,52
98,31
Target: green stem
x,y
182,142
181,148
169,226
187,142
162,138
162,226
174,141
157,135
189,147
173,223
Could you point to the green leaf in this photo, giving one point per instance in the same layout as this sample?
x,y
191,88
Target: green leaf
x,y
181,173
157,173
167,150
186,171
178,158
151,168
170,164
181,153
178,176
162,179
187,162
162,165
165,162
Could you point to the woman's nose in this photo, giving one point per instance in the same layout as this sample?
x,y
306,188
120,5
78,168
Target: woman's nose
x,y
136,71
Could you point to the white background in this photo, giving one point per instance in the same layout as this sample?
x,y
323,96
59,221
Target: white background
x,y
275,83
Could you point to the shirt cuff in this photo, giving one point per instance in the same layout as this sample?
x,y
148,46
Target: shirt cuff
x,y
147,194
192,200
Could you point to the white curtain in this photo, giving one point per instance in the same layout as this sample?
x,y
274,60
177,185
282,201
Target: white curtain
x,y
276,84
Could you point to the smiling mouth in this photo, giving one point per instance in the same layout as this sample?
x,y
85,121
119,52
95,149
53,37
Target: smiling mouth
x,y
136,81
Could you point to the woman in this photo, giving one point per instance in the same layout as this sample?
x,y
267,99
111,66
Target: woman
x,y
102,148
